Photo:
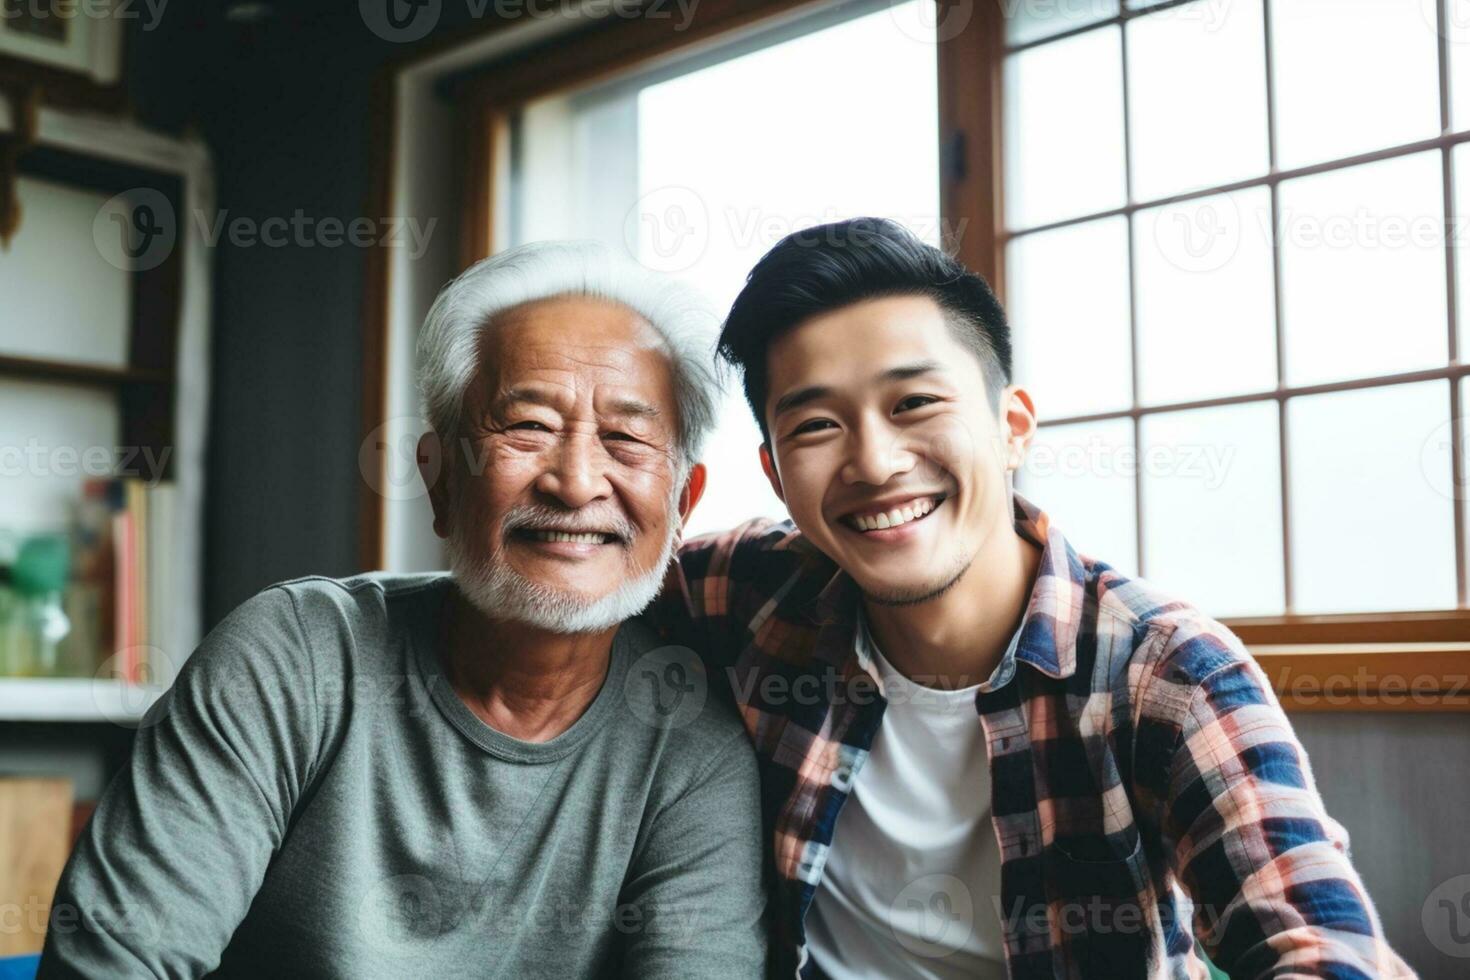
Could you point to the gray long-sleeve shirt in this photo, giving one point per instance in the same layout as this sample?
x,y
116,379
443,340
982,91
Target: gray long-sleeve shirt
x,y
312,798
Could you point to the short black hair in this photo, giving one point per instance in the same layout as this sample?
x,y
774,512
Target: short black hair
x,y
830,266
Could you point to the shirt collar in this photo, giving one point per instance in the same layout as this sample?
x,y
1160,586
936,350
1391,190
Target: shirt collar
x,y
1047,637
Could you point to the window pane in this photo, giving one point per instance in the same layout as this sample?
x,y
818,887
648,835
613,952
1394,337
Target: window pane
x,y
1212,507
1082,476
1372,526
1363,270
1462,240
1352,76
713,195
1068,304
1206,307
1189,136
1459,37
1064,129
44,315
1030,20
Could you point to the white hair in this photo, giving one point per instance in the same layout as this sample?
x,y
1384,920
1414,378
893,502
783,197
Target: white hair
x,y
449,344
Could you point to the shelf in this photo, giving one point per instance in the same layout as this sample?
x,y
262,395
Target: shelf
x,y
92,374
73,699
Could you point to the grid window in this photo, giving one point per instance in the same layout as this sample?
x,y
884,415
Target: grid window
x,y
1267,311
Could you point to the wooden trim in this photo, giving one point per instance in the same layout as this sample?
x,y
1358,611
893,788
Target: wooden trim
x,y
481,134
68,372
63,89
612,47
970,134
1450,626
1369,676
382,165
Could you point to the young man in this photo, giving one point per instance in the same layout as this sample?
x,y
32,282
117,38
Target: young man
x,y
983,753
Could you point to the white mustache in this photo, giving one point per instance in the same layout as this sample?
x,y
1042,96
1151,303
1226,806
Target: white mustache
x,y
550,519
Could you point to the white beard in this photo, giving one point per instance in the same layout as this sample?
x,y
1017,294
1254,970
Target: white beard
x,y
501,593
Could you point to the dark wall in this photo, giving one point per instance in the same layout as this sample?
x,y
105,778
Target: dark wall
x,y
283,104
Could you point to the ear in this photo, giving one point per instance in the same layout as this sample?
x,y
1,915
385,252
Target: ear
x,y
430,458
768,465
1019,425
693,492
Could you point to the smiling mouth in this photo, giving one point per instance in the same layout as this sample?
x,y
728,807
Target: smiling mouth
x,y
908,512
557,536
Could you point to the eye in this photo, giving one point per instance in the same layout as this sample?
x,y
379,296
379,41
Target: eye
x,y
619,437
813,425
529,426
914,401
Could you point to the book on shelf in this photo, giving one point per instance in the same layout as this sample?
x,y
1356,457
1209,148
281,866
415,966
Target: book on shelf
x,y
125,583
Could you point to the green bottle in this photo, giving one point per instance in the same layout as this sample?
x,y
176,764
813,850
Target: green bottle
x,y
38,578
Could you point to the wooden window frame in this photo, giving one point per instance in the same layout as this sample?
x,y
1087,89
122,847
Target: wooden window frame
x,y
1396,662
1400,661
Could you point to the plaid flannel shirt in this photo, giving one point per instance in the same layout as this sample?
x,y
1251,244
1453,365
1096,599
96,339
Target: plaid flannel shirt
x,y
1146,785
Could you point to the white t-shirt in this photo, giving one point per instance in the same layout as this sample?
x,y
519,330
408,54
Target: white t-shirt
x,y
911,886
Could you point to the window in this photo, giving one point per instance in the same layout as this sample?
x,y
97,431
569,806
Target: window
x,y
1258,213
700,169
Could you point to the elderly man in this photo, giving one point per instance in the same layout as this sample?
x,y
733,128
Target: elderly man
x,y
483,774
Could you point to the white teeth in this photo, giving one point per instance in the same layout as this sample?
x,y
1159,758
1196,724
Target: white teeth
x,y
566,536
893,518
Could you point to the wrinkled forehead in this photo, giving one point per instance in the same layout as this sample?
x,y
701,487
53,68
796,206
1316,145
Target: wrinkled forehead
x,y
577,350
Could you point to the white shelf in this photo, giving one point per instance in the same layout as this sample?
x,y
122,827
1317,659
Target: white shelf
x,y
74,699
